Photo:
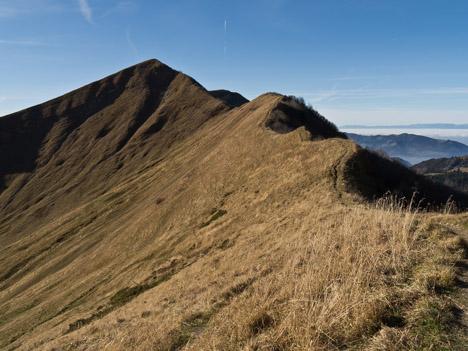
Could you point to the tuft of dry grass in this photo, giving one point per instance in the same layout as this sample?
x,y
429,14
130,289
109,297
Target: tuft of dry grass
x,y
345,277
363,283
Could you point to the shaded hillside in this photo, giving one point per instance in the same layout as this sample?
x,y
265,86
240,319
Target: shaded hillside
x,y
373,176
231,98
147,214
452,172
410,147
457,180
80,145
442,165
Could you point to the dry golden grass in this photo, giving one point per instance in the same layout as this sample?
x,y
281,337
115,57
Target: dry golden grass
x,y
357,280
233,238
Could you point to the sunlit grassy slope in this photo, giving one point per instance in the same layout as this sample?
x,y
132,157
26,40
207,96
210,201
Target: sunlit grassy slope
x,y
187,224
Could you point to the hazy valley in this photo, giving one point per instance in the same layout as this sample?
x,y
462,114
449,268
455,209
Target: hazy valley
x,y
410,147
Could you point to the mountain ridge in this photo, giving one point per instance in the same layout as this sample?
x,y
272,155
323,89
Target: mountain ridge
x,y
73,135
162,207
231,98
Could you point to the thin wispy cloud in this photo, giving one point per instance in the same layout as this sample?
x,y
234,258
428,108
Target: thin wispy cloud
x,y
393,76
348,78
364,92
21,42
122,7
16,8
128,34
450,91
225,34
6,11
86,10
322,95
355,91
381,115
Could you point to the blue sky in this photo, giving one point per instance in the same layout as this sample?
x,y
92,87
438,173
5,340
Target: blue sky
x,y
356,61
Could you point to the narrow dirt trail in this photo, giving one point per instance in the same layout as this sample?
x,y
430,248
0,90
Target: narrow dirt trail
x,y
461,295
336,170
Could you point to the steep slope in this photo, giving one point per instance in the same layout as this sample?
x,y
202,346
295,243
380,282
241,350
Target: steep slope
x,y
80,145
161,218
128,233
410,147
231,98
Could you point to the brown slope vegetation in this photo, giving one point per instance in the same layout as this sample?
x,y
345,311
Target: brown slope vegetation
x,y
372,176
79,145
452,172
164,219
442,165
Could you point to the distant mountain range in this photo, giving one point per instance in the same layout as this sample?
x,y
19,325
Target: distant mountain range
x,y
409,126
410,147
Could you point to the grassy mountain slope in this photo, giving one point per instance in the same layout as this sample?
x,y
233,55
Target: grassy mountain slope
x,y
442,165
82,144
161,218
452,172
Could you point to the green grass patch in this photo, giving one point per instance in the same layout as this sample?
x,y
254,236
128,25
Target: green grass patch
x,y
227,194
120,298
431,324
13,314
114,196
197,319
216,214
237,289
176,340
226,244
125,295
191,325
260,322
76,301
